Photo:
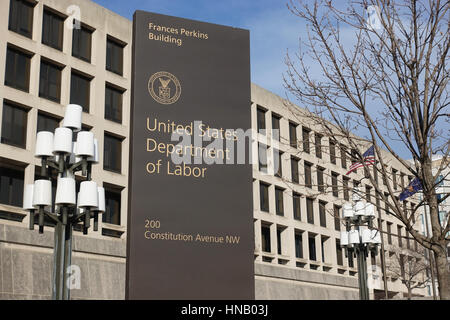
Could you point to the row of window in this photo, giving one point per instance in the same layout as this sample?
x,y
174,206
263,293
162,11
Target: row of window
x,y
14,132
296,203
18,76
21,21
12,186
345,155
299,235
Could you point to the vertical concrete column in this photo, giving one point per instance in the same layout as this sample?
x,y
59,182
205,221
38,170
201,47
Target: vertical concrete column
x,y
273,240
289,233
257,232
272,206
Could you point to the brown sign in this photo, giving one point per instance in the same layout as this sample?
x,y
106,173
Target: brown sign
x,y
190,221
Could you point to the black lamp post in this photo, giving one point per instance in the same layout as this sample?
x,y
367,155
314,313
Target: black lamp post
x,y
59,154
360,237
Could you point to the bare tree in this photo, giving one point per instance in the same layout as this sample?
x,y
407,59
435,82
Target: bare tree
x,y
410,267
391,84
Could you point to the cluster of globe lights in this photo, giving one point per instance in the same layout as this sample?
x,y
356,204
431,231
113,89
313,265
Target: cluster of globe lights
x,y
58,152
360,216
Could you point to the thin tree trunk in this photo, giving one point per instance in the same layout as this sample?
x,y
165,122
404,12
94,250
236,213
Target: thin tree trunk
x,y
409,293
443,274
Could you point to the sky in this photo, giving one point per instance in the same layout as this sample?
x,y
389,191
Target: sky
x,y
273,28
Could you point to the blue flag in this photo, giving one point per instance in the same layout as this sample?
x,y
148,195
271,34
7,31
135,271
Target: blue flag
x,y
414,186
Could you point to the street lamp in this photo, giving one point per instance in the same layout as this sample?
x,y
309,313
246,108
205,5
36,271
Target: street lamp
x,y
59,153
360,237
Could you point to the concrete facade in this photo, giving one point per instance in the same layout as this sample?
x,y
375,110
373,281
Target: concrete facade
x,y
26,256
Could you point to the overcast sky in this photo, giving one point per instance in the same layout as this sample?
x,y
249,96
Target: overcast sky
x,y
273,29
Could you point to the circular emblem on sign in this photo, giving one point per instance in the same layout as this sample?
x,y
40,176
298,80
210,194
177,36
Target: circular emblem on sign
x,y
164,87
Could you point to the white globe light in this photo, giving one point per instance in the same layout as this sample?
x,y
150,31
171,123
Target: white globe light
x,y
65,192
44,144
344,238
42,193
347,210
28,197
88,195
353,237
376,236
62,142
72,117
366,236
85,144
101,200
360,208
370,210
95,158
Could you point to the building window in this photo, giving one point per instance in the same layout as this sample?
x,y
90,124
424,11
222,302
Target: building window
x,y
343,156
17,74
322,214
52,30
264,197
368,191
113,104
112,155
337,217
298,245
279,248
334,184
305,135
402,180
80,90
279,201
21,17
276,133
312,247
332,152
318,147
399,233
323,246
112,203
346,188
262,156
389,232
294,170
293,135
14,126
47,123
354,158
339,258
375,173
308,179
81,43
297,207
261,120
278,164
11,185
265,238
320,183
350,260
394,178
309,210
386,203
50,81
114,56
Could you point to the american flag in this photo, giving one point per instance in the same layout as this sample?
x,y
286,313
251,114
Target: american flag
x,y
368,159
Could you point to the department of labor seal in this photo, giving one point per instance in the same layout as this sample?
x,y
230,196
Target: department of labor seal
x,y
164,87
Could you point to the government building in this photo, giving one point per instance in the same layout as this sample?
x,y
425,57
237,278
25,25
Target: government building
x,y
47,62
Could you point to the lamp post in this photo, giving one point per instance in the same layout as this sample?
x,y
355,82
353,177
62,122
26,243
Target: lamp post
x,y
360,237
59,154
